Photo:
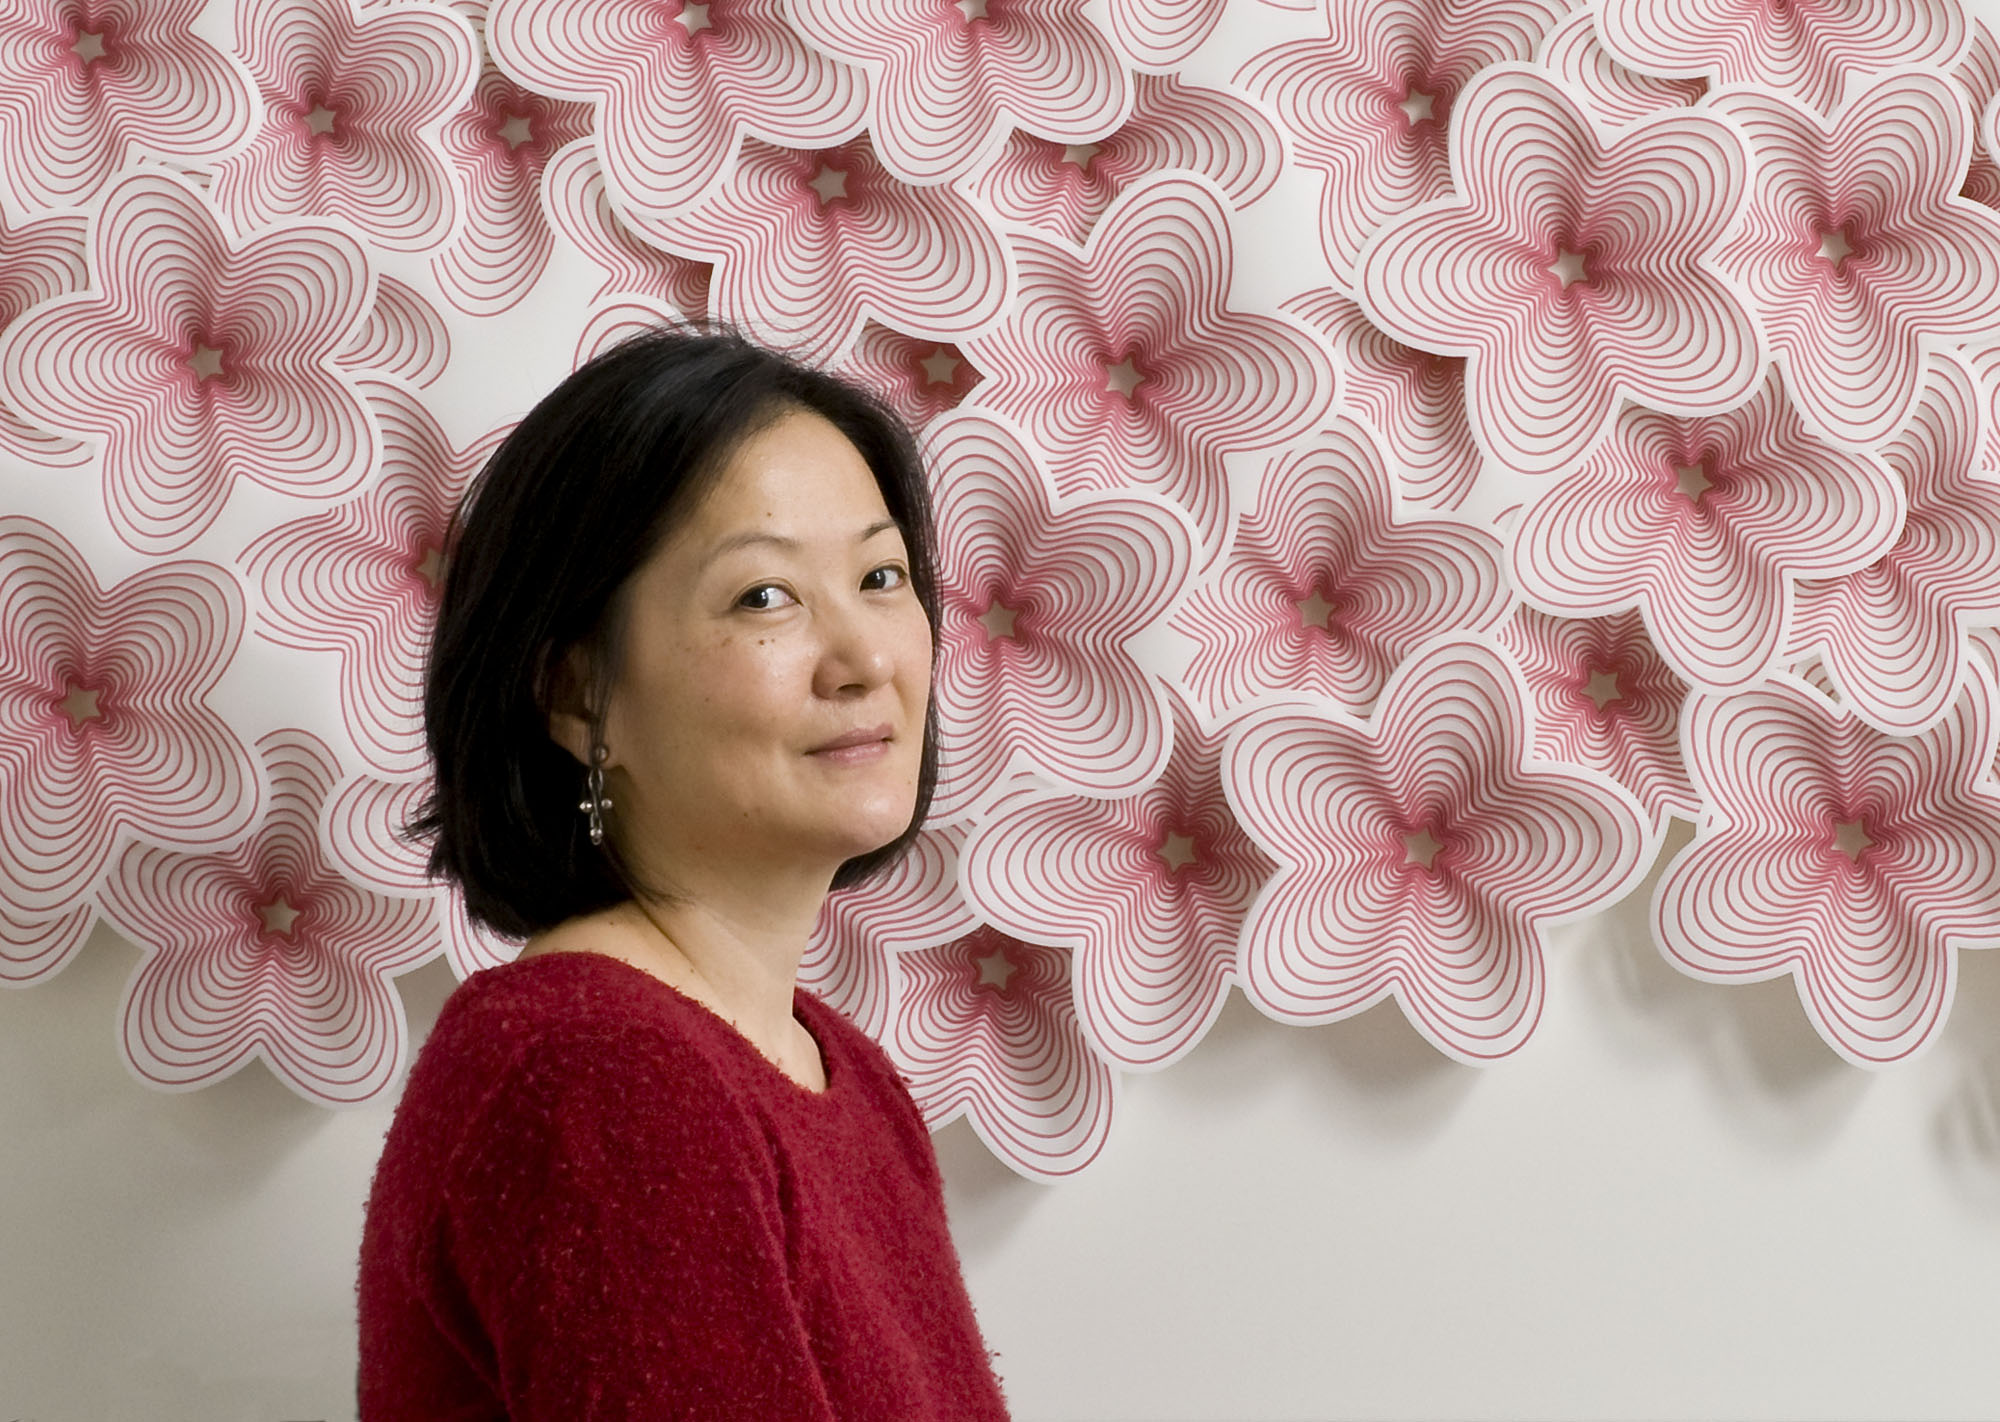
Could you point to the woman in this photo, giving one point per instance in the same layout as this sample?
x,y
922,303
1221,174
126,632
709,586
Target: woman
x,y
680,686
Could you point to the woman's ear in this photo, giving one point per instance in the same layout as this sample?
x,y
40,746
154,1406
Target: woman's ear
x,y
569,708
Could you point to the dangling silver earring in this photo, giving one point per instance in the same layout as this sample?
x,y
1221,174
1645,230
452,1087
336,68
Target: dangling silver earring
x,y
595,802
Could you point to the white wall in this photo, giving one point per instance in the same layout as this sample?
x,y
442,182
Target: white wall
x,y
1676,1202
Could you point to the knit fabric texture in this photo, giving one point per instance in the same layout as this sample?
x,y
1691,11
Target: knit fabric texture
x,y
598,1200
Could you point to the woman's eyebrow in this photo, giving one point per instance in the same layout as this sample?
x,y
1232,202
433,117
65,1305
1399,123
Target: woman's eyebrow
x,y
778,540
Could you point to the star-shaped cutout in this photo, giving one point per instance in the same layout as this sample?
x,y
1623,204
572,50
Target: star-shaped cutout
x,y
1834,248
694,19
1417,107
1568,268
1420,848
516,131
1079,154
1602,689
940,367
972,10
1316,611
320,119
430,567
206,362
995,969
1176,851
1850,837
88,47
998,620
829,183
1122,378
278,916
79,704
1693,481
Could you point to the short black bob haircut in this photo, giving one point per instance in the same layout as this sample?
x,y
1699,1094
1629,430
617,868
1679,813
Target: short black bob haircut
x,y
579,495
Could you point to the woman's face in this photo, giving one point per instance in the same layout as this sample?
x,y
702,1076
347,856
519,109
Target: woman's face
x,y
769,705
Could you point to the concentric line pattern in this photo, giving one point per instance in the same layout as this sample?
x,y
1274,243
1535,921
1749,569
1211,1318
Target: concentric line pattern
x,y
1064,188
198,360
676,90
1605,698
1979,75
1705,526
67,123
616,321
354,101
1324,592
404,337
920,379
1149,892
1128,367
1812,51
1857,249
1612,93
500,143
362,580
1414,400
808,246
264,951
35,950
850,961
986,1030
1855,861
1371,108
39,261
1421,856
362,829
1572,272
946,82
1162,33
578,207
1039,600
107,723
1894,634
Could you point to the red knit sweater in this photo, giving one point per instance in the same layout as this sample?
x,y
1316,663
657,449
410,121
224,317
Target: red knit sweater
x,y
597,1200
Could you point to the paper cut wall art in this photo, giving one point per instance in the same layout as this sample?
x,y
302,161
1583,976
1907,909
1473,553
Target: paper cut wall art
x,y
1392,458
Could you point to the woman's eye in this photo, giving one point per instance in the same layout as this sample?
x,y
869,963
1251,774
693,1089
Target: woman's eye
x,y
764,597
889,575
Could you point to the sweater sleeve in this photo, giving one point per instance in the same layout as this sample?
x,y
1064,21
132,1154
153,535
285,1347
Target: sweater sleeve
x,y
615,1221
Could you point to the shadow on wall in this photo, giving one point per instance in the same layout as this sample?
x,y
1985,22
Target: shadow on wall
x,y
1966,1127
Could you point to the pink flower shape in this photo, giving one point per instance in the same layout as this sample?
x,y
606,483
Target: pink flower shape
x,y
1857,249
361,581
108,727
361,825
1853,860
1413,399
1064,188
264,951
677,86
34,950
500,144
949,80
1162,34
1704,526
808,246
1893,635
39,261
197,359
1612,93
986,1030
1421,855
1979,75
580,208
1324,592
1040,598
354,101
404,337
1149,893
1371,107
93,82
1128,367
1606,699
850,961
1571,271
1811,50
920,379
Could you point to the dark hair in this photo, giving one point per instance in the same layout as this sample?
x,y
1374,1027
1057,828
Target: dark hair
x,y
578,496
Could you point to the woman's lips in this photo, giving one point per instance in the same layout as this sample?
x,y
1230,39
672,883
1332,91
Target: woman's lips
x,y
856,746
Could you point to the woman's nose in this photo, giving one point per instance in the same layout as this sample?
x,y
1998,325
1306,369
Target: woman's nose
x,y
856,655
